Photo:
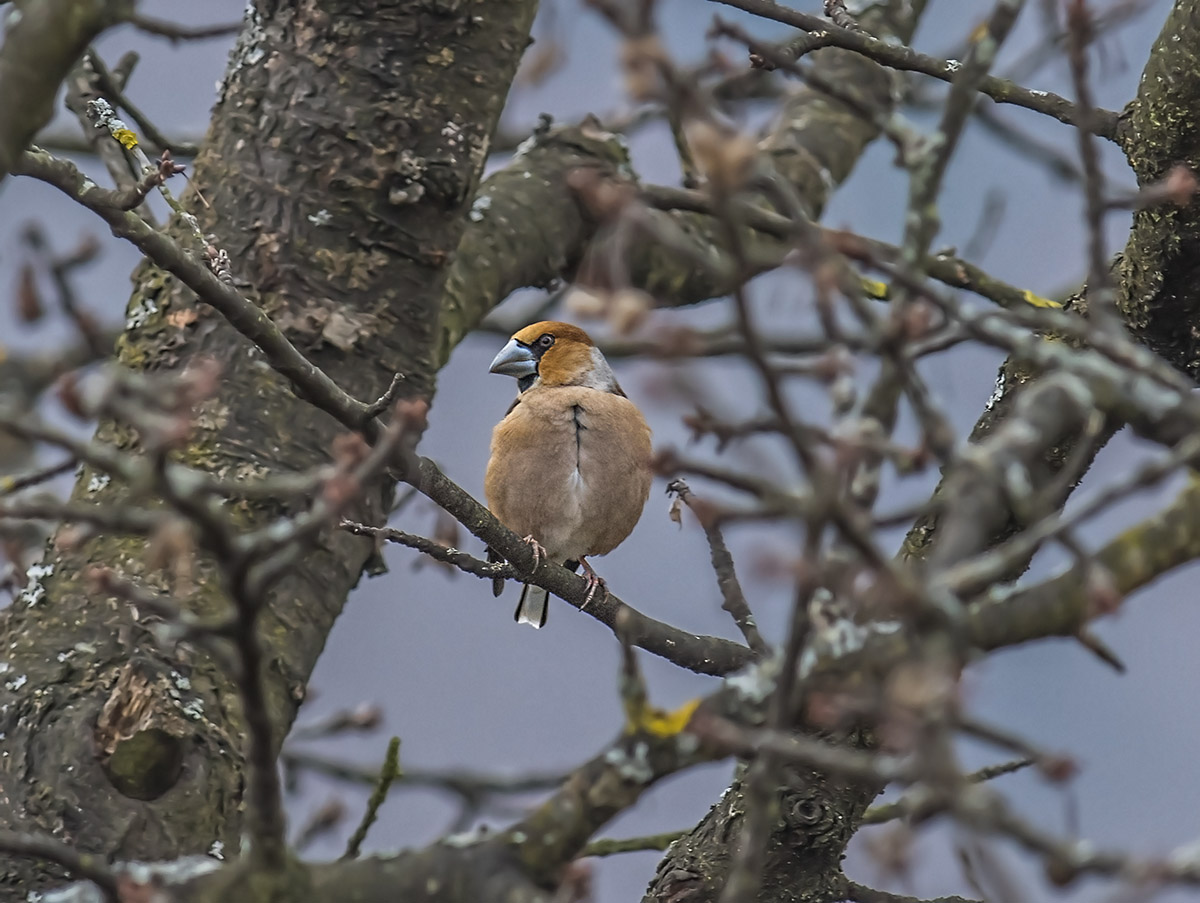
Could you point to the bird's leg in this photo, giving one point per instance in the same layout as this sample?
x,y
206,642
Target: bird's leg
x,y
595,582
539,551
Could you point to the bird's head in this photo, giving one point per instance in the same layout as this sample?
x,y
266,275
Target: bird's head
x,y
550,353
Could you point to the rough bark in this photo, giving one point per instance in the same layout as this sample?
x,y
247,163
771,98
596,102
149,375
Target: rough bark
x,y
1156,275
1159,269
526,227
342,155
813,145
338,165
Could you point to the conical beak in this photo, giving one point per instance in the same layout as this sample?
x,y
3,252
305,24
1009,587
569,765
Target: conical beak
x,y
516,360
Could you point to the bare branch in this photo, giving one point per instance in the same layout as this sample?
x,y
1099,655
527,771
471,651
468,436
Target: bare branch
x,y
387,774
610,846
14,484
434,549
929,165
906,59
702,654
41,45
1101,300
309,381
176,33
915,802
733,599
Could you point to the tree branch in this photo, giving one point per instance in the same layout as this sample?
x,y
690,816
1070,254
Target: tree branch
x,y
702,654
310,381
905,59
42,42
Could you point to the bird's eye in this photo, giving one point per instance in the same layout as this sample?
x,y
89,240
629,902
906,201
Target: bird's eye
x,y
546,340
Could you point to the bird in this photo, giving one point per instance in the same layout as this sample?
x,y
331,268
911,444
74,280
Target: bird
x,y
570,466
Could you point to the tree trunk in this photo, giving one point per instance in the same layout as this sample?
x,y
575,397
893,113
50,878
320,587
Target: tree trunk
x,y
343,150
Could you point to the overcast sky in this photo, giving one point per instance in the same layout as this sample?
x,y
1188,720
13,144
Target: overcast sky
x,y
464,686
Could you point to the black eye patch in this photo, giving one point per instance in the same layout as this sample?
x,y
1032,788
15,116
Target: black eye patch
x,y
537,349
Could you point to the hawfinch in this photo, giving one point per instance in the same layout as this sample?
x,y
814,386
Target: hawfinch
x,y
570,465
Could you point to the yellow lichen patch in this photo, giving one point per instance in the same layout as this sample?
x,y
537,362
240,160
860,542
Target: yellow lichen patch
x,y
648,719
875,289
127,138
1039,301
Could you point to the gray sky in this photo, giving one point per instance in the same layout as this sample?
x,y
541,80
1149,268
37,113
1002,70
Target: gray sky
x,y
464,686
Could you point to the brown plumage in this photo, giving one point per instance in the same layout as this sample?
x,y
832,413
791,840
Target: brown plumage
x,y
570,465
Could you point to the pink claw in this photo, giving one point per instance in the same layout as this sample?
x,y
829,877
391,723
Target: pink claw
x,y
595,581
539,551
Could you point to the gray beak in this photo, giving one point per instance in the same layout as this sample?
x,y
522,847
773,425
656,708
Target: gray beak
x,y
516,360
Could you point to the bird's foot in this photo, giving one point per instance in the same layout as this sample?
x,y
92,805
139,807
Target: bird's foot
x,y
539,551
595,582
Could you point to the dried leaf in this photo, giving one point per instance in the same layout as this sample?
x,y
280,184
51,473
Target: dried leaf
x,y
583,303
629,309
69,395
725,157
675,512
29,301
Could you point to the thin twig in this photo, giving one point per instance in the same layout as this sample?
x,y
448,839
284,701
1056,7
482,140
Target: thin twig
x,y
176,33
10,485
891,126
111,86
915,802
466,563
379,405
324,820
470,786
363,717
609,846
387,774
1101,300
925,182
905,59
118,519
309,381
733,600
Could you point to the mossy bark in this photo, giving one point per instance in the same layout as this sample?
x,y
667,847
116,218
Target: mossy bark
x,y
341,158
1157,275
1159,269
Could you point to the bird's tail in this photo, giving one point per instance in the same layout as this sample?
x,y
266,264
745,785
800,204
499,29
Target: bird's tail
x,y
532,607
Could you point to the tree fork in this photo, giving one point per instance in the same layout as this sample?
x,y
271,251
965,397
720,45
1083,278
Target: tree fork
x,y
344,149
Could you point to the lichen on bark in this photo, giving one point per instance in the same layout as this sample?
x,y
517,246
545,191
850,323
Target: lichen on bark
x,y
304,173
